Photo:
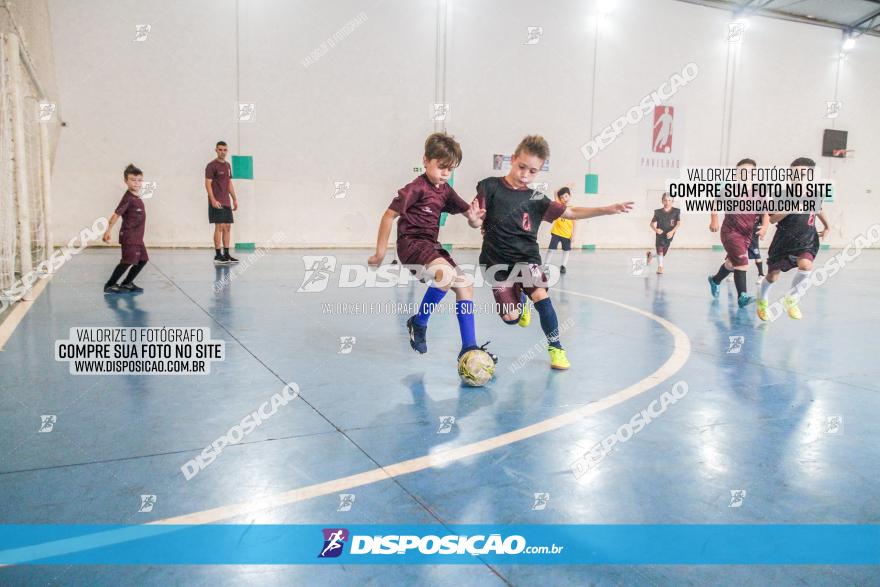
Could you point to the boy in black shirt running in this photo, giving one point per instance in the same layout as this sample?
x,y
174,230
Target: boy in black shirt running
x,y
794,246
664,224
510,228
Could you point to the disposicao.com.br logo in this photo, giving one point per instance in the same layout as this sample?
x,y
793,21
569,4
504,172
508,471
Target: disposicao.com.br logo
x,y
334,540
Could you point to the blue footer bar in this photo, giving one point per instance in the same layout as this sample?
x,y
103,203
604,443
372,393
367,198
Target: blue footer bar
x,y
429,544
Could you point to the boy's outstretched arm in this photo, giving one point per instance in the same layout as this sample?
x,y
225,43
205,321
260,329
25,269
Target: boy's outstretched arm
x,y
113,218
581,213
475,214
825,226
382,240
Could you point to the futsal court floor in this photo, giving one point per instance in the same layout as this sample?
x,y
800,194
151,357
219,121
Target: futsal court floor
x,y
372,417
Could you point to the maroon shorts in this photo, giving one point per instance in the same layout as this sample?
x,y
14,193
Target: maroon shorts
x,y
134,254
790,262
736,245
508,297
414,251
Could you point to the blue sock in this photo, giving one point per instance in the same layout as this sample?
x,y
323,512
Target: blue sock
x,y
549,322
465,312
523,299
429,302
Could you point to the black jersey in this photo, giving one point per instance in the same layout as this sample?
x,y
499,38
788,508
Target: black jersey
x,y
666,221
512,221
795,234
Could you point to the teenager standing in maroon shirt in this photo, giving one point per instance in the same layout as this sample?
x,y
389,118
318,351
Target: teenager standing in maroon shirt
x,y
131,236
221,203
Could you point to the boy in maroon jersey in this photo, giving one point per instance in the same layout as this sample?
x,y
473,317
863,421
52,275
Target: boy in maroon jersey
x,y
513,214
131,236
221,203
418,206
736,236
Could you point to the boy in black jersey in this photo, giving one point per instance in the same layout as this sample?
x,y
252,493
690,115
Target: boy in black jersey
x,y
510,245
794,246
664,224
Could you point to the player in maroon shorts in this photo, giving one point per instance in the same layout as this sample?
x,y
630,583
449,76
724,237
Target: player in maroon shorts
x,y
131,236
419,205
513,214
736,236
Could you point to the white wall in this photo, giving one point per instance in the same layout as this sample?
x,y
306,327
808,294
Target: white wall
x,y
361,112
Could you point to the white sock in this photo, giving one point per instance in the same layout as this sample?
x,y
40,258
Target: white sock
x,y
799,277
565,257
765,289
660,260
549,256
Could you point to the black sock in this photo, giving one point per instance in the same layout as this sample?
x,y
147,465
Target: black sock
x,y
739,279
216,252
225,251
549,322
722,273
117,273
135,269
760,265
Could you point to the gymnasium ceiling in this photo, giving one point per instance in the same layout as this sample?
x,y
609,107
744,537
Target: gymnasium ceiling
x,y
858,16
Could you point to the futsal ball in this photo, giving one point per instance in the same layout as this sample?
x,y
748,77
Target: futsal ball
x,y
476,368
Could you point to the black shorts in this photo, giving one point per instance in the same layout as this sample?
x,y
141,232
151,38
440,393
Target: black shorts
x,y
555,239
508,295
787,248
219,215
661,244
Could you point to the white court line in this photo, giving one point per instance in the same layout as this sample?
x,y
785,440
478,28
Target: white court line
x,y
681,352
18,311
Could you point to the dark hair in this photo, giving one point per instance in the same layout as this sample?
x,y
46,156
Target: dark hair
x,y
444,148
131,170
220,144
665,195
746,161
803,162
562,191
534,145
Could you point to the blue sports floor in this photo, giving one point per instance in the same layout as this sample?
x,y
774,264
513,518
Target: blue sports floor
x,y
790,419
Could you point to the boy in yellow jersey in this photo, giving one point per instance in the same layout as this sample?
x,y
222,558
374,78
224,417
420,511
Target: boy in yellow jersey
x,y
561,232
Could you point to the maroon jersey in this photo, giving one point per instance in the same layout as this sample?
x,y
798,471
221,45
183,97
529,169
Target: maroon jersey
x,y
134,217
420,204
220,174
740,223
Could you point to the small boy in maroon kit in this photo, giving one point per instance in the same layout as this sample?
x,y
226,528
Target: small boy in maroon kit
x,y
131,236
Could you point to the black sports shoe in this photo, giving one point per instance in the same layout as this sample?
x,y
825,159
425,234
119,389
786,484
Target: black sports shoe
x,y
229,258
562,269
417,335
220,260
131,288
112,289
480,348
